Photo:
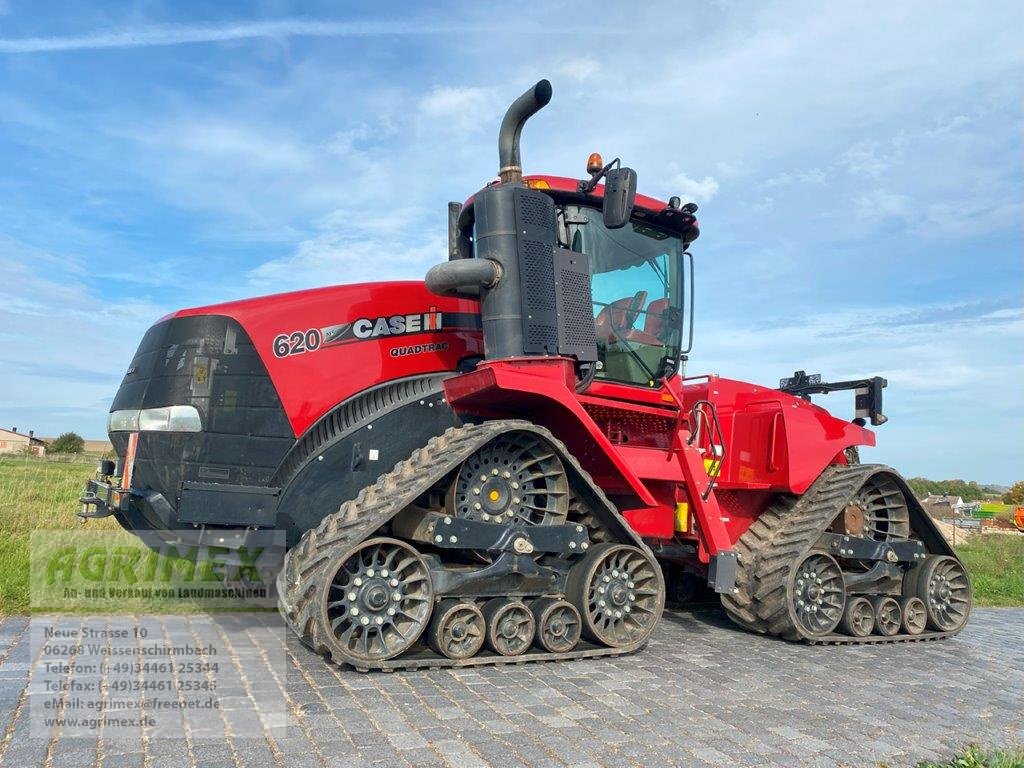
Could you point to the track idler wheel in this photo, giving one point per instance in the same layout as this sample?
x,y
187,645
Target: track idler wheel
x,y
817,594
375,601
619,592
942,583
457,629
558,624
510,626
888,616
915,615
858,618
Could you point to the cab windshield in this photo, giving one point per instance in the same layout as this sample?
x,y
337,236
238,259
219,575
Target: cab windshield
x,y
637,285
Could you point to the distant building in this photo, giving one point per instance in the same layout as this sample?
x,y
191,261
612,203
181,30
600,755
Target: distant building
x,y
13,441
945,506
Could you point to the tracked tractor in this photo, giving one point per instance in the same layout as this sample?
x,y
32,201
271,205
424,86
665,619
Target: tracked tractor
x,y
506,462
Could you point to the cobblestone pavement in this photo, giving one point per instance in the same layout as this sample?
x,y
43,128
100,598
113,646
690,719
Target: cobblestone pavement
x,y
702,693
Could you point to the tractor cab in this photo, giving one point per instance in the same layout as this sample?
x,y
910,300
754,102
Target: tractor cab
x,y
637,264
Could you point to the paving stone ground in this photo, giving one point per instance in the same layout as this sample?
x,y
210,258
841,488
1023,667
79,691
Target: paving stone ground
x,y
701,694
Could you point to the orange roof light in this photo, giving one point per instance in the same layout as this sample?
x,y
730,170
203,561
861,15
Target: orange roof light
x,y
538,184
595,163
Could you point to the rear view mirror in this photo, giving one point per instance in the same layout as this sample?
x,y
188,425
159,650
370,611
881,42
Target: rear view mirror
x,y
619,194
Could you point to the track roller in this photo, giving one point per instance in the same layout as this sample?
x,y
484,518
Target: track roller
x,y
858,618
558,624
457,629
510,626
817,594
915,615
619,592
888,616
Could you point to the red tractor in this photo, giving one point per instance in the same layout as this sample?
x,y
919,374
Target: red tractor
x,y
505,462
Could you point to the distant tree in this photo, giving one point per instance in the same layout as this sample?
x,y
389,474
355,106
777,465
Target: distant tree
x,y
69,442
1015,495
967,490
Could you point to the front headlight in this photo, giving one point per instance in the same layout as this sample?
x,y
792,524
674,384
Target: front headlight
x,y
172,418
123,421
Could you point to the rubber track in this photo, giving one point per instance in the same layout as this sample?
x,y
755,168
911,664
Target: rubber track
x,y
778,540
306,564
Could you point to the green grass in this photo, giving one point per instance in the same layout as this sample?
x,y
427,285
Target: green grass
x,y
42,495
996,564
973,757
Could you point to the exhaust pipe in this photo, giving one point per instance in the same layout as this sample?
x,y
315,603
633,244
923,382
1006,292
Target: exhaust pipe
x,y
510,169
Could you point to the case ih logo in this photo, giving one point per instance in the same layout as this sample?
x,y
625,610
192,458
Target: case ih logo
x,y
391,325
369,328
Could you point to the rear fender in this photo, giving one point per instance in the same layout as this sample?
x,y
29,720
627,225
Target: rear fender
x,y
541,389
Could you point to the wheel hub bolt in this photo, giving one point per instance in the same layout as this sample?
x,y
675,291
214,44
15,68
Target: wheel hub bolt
x,y
369,573
393,582
365,620
396,596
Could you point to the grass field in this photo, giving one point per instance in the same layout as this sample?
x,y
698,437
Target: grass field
x,y
973,757
42,495
37,494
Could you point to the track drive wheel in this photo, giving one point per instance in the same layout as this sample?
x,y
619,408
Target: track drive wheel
x,y
457,629
915,615
942,583
620,594
858,618
510,626
558,624
375,601
817,594
888,616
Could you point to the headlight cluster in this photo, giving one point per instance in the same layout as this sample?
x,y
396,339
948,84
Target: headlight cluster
x,y
172,418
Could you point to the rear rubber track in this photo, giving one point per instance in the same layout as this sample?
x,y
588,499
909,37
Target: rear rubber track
x,y
771,548
307,563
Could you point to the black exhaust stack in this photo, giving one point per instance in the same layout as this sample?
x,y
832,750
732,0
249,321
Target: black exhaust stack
x,y
534,295
510,168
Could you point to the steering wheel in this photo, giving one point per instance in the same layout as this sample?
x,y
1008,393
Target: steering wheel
x,y
629,314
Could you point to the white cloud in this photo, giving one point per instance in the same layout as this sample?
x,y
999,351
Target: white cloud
x,y
865,159
177,34
700,191
465,108
809,176
580,69
64,347
881,203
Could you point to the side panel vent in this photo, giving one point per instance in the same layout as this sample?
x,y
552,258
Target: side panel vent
x,y
574,306
535,231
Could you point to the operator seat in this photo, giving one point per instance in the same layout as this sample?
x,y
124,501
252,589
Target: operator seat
x,y
618,315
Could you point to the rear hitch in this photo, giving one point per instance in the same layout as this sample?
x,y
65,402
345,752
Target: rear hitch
x,y
868,393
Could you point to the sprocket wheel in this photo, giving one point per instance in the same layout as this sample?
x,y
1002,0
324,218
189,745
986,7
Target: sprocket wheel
x,y
620,594
879,511
516,477
376,601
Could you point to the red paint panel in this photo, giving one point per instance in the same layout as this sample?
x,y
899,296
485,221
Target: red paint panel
x,y
312,381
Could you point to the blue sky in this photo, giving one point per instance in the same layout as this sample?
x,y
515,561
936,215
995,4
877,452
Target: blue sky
x,y
859,169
